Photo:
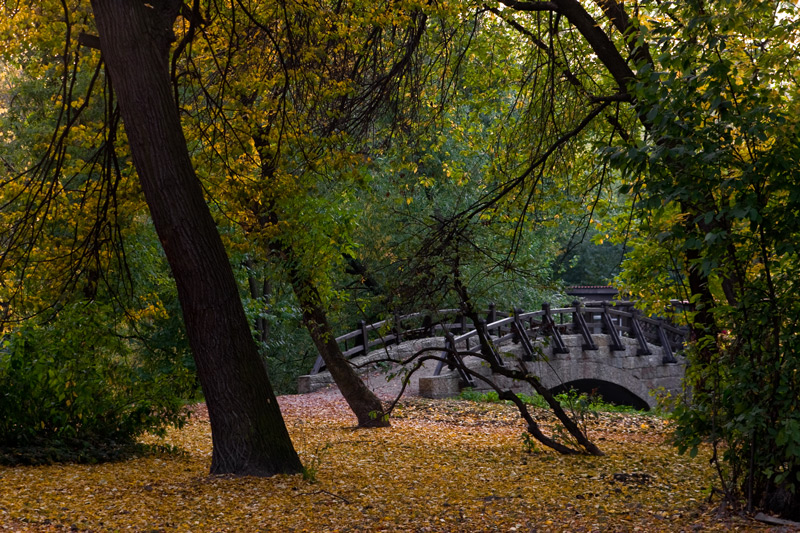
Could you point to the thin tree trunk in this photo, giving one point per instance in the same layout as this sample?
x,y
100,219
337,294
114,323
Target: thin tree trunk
x,y
258,292
248,433
362,401
488,353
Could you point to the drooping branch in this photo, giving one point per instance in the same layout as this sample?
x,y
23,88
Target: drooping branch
x,y
37,194
497,194
598,40
532,426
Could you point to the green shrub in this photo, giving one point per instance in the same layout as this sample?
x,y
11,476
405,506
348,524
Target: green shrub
x,y
473,395
71,389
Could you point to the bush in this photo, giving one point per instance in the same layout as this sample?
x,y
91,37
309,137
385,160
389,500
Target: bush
x,y
71,389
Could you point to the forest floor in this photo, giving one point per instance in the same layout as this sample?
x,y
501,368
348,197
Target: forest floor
x,y
444,465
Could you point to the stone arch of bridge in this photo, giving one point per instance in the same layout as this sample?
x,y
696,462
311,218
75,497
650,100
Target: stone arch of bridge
x,y
614,376
558,374
610,392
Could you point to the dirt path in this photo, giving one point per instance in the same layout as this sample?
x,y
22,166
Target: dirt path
x,y
329,399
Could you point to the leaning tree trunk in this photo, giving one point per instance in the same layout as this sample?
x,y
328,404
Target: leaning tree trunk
x,y
362,401
488,352
248,432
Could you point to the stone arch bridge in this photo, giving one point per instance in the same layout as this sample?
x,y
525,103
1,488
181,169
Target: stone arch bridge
x,y
607,347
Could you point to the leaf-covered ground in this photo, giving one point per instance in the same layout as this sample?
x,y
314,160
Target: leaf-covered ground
x,y
442,466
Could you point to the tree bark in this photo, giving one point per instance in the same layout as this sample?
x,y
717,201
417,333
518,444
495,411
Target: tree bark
x,y
248,432
362,401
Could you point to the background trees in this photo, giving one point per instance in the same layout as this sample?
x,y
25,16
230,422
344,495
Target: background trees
x,y
94,351
447,150
250,436
708,173
722,149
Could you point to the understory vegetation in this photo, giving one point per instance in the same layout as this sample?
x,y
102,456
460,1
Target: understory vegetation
x,y
572,400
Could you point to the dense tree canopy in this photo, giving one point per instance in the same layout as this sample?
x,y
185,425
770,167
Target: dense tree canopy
x,y
376,157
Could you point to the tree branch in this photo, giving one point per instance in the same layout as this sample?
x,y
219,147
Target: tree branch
x,y
531,6
88,40
600,43
620,19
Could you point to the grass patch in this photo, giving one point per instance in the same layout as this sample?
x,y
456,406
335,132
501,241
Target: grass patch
x,y
567,400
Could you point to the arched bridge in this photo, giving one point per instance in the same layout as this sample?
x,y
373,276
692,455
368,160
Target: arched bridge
x,y
608,347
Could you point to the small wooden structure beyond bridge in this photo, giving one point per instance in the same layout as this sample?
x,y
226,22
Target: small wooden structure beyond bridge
x,y
608,347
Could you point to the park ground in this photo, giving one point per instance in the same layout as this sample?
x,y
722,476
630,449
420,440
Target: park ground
x,y
444,465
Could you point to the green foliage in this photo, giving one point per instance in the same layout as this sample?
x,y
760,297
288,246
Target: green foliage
x,y
529,444
311,468
277,323
457,183
747,405
288,350
473,395
94,348
715,176
72,389
590,263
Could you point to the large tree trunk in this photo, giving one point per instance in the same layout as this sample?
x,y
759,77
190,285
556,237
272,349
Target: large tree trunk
x,y
249,435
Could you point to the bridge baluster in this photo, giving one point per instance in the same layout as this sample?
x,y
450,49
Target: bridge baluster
x,y
487,348
364,337
454,360
644,349
427,325
611,330
448,347
522,336
666,345
583,329
398,329
549,323
491,316
318,364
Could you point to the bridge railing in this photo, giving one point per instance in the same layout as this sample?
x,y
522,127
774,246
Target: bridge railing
x,y
585,319
615,319
399,328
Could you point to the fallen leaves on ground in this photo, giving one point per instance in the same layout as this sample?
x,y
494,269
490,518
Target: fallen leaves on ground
x,y
443,466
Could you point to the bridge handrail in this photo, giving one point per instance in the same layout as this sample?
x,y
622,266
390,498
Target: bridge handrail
x,y
502,326
589,308
363,343
660,322
494,326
